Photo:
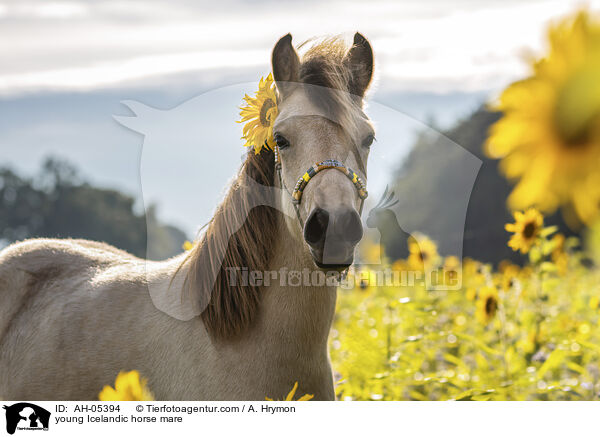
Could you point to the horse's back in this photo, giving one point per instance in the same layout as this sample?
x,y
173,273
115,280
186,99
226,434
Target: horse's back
x,y
75,313
28,266
37,254
49,289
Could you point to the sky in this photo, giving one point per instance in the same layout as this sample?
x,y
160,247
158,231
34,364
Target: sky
x,y
66,66
426,45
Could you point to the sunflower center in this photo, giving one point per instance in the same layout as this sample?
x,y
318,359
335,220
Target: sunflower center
x,y
577,111
490,306
529,230
264,110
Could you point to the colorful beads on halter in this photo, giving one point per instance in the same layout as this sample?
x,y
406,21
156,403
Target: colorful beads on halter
x,y
276,154
323,165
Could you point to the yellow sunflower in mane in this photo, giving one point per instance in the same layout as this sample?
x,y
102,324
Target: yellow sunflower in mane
x,y
259,114
549,135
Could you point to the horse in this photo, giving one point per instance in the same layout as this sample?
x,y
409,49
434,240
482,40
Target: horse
x,y
75,312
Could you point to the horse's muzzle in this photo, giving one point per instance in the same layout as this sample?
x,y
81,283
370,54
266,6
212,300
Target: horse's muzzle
x,y
332,236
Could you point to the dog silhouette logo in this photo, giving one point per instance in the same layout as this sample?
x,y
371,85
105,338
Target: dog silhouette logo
x,y
26,416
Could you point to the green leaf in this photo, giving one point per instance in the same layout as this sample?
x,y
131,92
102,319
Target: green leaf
x,y
553,361
478,343
547,266
535,255
575,367
547,231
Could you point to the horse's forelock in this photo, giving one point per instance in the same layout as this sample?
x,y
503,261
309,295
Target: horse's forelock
x,y
327,81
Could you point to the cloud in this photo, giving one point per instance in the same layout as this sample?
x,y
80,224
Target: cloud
x,y
429,46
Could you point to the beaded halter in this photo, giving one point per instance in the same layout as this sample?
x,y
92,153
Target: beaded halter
x,y
296,195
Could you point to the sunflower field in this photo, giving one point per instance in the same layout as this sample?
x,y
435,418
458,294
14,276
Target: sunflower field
x,y
512,333
476,331
509,332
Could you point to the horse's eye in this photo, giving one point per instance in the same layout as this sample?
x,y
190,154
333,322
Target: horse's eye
x,y
368,140
281,141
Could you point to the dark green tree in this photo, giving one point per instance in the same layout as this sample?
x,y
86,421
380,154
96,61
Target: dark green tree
x,y
58,204
433,174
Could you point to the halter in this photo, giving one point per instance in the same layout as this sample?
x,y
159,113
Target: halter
x,y
296,195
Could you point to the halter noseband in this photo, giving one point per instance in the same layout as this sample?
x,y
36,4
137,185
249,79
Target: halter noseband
x,y
296,195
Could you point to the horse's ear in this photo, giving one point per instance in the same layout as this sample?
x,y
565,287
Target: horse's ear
x,y
359,61
286,65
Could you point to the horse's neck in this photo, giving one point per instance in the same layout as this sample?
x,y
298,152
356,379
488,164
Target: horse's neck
x,y
299,315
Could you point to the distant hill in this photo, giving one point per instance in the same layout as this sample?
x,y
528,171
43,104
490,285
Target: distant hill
x,y
58,204
435,180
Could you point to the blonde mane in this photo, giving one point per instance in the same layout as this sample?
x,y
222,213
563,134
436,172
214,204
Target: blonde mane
x,y
230,308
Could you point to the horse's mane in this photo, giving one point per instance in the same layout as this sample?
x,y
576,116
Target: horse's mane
x,y
231,308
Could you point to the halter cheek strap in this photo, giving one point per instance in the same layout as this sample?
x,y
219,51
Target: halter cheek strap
x,y
296,195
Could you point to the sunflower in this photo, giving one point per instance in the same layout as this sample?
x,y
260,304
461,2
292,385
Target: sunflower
x,y
526,229
487,304
423,254
371,252
559,256
508,276
292,393
473,277
400,265
528,341
451,269
128,387
259,114
471,293
594,302
473,270
451,263
549,135
367,279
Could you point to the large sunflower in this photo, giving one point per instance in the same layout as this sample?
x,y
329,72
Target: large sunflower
x,y
549,135
259,115
526,229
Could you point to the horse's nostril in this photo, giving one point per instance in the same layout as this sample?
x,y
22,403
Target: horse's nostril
x,y
315,228
349,226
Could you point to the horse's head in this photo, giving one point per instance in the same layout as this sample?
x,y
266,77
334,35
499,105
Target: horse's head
x,y
321,120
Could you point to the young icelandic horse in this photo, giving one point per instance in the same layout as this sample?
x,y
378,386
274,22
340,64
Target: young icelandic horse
x,y
74,313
